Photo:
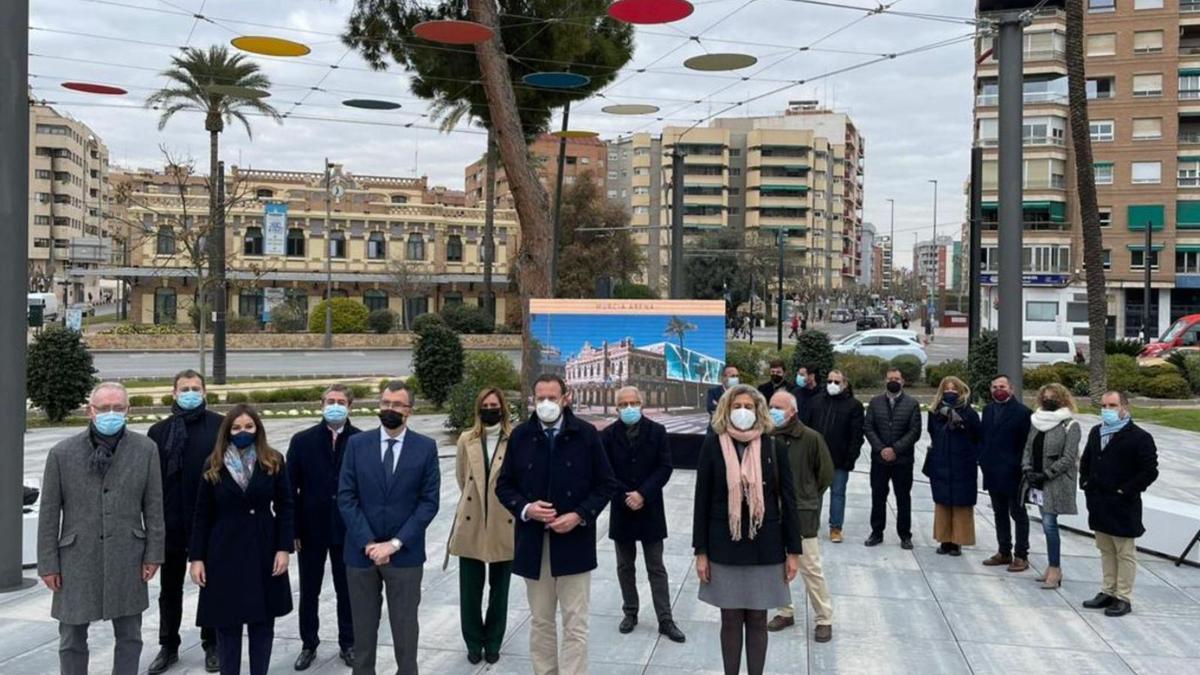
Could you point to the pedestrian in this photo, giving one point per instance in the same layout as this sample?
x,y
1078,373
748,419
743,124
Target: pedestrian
x,y
314,461
556,481
806,385
777,381
640,456
729,378
1119,463
482,535
951,465
795,332
812,474
892,426
185,441
1049,465
803,322
242,541
388,494
1005,430
101,535
838,416
747,326
745,529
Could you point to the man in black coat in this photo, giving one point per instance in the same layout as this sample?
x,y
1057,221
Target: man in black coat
x,y
892,427
729,378
806,386
1119,463
838,416
640,456
1005,430
314,461
185,441
556,480
777,381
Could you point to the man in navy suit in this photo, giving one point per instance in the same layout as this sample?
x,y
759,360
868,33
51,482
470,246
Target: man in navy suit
x,y
388,495
314,459
1006,423
729,378
556,480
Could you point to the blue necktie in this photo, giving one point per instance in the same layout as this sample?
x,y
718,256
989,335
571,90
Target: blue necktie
x,y
550,437
389,460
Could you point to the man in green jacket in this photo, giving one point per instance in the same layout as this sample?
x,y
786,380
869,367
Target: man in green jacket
x,y
812,472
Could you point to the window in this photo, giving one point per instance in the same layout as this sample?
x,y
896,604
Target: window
x,y
375,299
1147,4
1104,173
1188,172
1053,346
164,305
1036,310
43,174
1102,5
264,193
1146,172
41,220
1107,259
1077,312
454,248
1103,44
252,243
1137,259
164,243
337,244
416,247
414,307
1045,173
1189,84
1102,130
295,243
452,300
1041,259
1146,85
1147,41
297,297
1146,128
1043,44
399,199
1105,216
376,246
251,304
1100,87
1187,262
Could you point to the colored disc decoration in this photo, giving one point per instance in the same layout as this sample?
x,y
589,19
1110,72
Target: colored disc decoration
x,y
719,62
92,88
453,32
630,109
650,11
370,104
237,92
575,133
269,46
556,80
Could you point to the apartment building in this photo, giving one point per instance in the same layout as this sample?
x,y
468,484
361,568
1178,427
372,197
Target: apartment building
x,y
583,156
934,261
867,248
886,273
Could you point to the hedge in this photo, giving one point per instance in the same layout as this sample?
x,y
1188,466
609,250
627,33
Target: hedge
x,y
349,316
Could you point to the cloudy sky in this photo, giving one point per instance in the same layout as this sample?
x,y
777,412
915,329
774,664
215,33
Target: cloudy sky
x,y
914,110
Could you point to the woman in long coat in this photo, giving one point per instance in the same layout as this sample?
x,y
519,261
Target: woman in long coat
x,y
1050,469
951,465
482,535
241,541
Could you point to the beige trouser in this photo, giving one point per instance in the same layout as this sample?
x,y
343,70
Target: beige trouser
x,y
1118,558
570,594
814,584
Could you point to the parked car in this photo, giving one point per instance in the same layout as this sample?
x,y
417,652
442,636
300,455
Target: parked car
x,y
1042,349
1184,334
869,322
886,344
842,316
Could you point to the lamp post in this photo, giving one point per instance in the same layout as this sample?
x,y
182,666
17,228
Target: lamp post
x,y
891,245
937,268
328,257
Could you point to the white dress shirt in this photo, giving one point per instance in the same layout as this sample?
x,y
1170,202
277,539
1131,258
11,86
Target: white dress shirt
x,y
542,427
383,446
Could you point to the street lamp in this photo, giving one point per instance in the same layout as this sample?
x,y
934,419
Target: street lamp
x,y
933,281
891,245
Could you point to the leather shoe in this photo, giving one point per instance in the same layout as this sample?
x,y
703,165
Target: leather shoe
x,y
672,631
627,624
1101,601
1019,565
474,657
873,540
347,657
212,662
165,659
823,633
780,622
998,559
955,550
1118,608
906,544
491,657
835,535
306,658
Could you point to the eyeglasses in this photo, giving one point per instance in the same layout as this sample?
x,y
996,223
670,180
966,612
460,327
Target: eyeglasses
x,y
110,408
394,405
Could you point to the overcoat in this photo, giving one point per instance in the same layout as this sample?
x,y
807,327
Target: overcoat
x,y
1113,479
483,528
643,466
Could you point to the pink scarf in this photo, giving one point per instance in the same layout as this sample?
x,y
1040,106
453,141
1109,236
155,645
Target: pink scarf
x,y
744,480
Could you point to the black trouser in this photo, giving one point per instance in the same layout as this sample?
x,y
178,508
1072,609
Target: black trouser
x,y
1005,506
901,478
312,576
229,647
660,591
170,602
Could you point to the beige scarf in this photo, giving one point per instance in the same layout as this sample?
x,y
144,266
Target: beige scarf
x,y
744,480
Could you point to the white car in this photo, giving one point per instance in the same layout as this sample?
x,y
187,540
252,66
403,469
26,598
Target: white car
x,y
1043,349
885,343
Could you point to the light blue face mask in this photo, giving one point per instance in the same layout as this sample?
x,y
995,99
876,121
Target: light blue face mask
x,y
777,416
336,413
110,423
731,382
189,400
631,415
1110,417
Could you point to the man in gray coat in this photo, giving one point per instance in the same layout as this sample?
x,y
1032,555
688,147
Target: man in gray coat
x,y
101,536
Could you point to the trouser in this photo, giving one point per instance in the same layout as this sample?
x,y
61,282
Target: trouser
x,y
814,584
1053,539
170,602
312,577
1007,506
367,586
568,594
73,646
1118,559
837,499
229,647
901,478
656,571
479,632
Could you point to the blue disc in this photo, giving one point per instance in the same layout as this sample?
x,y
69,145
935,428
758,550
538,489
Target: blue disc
x,y
556,80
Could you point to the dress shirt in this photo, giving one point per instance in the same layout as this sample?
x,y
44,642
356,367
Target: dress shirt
x,y
557,427
383,446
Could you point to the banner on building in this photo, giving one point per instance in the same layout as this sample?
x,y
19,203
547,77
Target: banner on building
x,y
275,229
272,298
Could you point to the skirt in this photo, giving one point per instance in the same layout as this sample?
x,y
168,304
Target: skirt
x,y
954,524
746,587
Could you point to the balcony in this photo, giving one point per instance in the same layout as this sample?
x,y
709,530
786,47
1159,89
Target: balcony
x,y
1189,38
1189,6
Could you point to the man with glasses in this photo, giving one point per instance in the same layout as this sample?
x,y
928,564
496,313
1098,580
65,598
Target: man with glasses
x,y
388,496
101,536
838,416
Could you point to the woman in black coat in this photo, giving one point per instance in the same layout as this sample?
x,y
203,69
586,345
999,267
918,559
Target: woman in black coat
x,y
241,541
950,464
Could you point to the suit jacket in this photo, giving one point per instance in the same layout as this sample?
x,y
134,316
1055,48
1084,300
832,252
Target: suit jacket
x,y
313,467
644,467
575,478
713,397
768,389
1113,479
1005,430
97,531
377,510
179,490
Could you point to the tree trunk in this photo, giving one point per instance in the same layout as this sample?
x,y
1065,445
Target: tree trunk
x,y
529,196
489,226
216,258
1085,180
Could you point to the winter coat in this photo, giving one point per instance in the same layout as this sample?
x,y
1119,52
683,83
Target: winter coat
x,y
953,455
179,490
768,389
483,529
812,471
643,467
897,426
1004,436
839,419
1113,479
314,465
1060,458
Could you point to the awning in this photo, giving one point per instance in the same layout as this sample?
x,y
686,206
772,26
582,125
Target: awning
x,y
1058,210
1140,247
1187,248
1188,158
1187,214
1189,72
1140,214
785,188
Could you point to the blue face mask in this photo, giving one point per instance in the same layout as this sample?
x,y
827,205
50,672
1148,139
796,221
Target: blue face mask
x,y
1110,417
110,423
336,413
631,415
189,400
801,380
777,416
950,398
242,440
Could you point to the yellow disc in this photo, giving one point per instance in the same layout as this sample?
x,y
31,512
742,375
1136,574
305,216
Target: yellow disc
x,y
269,46
575,133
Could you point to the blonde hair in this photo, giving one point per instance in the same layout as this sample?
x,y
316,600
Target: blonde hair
x,y
1061,394
505,425
964,392
720,418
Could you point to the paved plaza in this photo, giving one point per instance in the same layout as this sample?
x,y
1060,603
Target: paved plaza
x,y
895,611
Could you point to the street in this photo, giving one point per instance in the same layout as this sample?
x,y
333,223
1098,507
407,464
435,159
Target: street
x,y
124,365
947,343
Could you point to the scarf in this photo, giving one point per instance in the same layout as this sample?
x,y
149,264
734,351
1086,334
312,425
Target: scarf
x,y
177,437
744,480
1106,432
103,448
241,465
1044,420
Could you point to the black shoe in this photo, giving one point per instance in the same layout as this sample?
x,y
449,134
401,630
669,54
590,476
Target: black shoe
x,y
491,657
306,658
165,659
212,662
1118,608
1101,601
906,544
672,631
627,624
347,656
943,549
474,657
873,540
955,550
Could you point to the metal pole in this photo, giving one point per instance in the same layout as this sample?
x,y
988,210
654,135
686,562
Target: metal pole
x,y
489,225
828,228
779,293
892,248
558,190
328,261
1146,302
677,269
973,295
751,303
218,286
937,258
1012,305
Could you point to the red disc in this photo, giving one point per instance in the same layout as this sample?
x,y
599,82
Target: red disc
x,y
650,11
90,88
453,32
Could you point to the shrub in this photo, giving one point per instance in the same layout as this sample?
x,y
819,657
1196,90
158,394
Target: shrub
x,y
468,319
814,350
1167,385
910,367
460,405
361,391
862,372
242,324
438,361
237,397
349,316
141,401
1066,374
1159,369
290,317
747,358
413,382
194,311
634,292
144,329
167,400
1191,369
935,373
419,323
491,369
1127,346
1122,373
982,364
381,321
1082,389
211,398
58,372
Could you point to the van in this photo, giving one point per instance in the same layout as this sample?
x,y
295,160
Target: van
x,y
49,303
1042,349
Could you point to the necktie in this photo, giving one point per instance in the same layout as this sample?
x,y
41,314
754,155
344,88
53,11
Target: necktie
x,y
550,437
389,459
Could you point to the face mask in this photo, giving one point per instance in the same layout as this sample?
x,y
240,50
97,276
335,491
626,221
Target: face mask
x,y
1001,395
1049,405
776,379
110,423
950,397
336,413
242,440
491,416
778,417
743,418
894,387
391,419
731,382
631,415
801,380
548,411
190,400
833,388
1110,417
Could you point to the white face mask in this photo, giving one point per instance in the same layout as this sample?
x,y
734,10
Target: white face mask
x,y
548,411
742,418
833,389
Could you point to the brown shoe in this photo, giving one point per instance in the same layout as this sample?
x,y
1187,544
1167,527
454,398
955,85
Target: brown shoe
x,y
998,560
835,535
780,622
823,633
1018,565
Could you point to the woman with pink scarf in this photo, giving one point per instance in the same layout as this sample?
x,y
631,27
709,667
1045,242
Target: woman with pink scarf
x,y
745,528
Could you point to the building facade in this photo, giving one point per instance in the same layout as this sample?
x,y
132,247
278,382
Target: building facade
x,y
583,156
933,262
868,275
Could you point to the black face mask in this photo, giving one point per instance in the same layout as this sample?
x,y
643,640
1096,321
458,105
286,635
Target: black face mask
x,y
391,419
1049,405
491,416
894,387
776,379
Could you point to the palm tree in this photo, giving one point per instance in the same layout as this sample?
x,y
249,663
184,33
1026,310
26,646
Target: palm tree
x,y
678,328
224,87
